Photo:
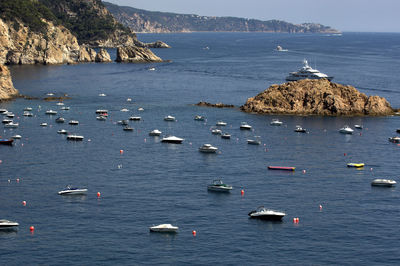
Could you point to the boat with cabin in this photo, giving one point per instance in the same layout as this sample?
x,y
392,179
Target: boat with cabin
x,y
307,72
266,214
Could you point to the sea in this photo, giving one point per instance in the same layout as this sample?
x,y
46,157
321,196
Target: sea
x,y
134,181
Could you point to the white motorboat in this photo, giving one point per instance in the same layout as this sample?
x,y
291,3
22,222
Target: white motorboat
x,y
255,141
73,191
169,118
102,95
3,111
62,131
394,139
172,139
220,124
346,130
199,118
164,228
10,115
16,137
218,185
124,110
11,125
60,120
7,121
101,118
383,182
135,118
51,112
225,136
216,131
44,124
307,72
140,109
73,122
266,214
6,224
123,122
276,122
75,137
27,113
358,126
152,69
128,128
245,126
28,109
280,49
50,94
65,108
208,148
101,111
129,99
60,104
299,129
155,132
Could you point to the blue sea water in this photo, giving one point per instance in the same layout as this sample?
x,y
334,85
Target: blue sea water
x,y
152,182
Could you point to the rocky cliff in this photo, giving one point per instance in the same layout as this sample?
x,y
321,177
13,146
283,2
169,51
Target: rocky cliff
x,y
316,97
161,22
7,90
134,54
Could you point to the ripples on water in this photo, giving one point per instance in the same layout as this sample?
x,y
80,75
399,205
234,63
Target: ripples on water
x,y
162,183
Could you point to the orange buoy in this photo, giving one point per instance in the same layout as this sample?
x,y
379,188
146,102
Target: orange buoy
x,y
121,151
32,228
242,192
194,232
24,203
98,194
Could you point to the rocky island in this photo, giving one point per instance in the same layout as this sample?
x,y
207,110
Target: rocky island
x,y
316,97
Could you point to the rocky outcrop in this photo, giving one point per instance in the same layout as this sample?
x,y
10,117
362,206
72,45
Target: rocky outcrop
x,y
103,56
20,45
157,44
316,97
7,90
217,105
134,54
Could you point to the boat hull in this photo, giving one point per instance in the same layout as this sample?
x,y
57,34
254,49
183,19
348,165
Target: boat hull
x,y
219,188
6,141
172,141
283,168
73,192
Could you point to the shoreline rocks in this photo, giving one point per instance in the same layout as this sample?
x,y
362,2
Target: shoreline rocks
x,y
102,56
316,97
7,90
216,105
134,54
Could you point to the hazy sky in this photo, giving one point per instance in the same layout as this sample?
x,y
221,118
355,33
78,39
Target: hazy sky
x,y
345,15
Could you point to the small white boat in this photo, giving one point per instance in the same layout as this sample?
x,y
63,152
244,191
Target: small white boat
x,y
123,122
16,137
169,118
124,110
216,131
11,125
280,49
225,136
140,109
60,120
199,118
164,228
394,139
65,108
276,122
62,131
346,130
50,94
128,128
6,224
101,111
60,103
101,118
51,112
255,141
299,129
135,118
266,214
208,148
245,126
10,115
220,124
358,126
44,124
27,113
3,111
172,139
73,122
383,183
155,132
129,99
28,109
218,185
152,69
74,137
7,121
102,95
73,191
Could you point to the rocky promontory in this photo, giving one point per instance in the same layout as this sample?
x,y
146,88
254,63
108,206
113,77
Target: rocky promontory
x,y
7,90
316,97
134,54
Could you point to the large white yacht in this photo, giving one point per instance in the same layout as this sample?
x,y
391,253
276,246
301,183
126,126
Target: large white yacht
x,y
307,72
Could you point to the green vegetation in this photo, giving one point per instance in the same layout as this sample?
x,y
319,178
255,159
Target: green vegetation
x,y
28,12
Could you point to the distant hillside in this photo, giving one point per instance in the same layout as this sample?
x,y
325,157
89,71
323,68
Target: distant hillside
x,y
158,22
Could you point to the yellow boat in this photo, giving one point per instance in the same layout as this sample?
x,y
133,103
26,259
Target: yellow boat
x,y
356,165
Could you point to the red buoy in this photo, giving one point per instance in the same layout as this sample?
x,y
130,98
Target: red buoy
x,y
242,192
32,228
320,207
194,232
98,194
24,203
121,151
